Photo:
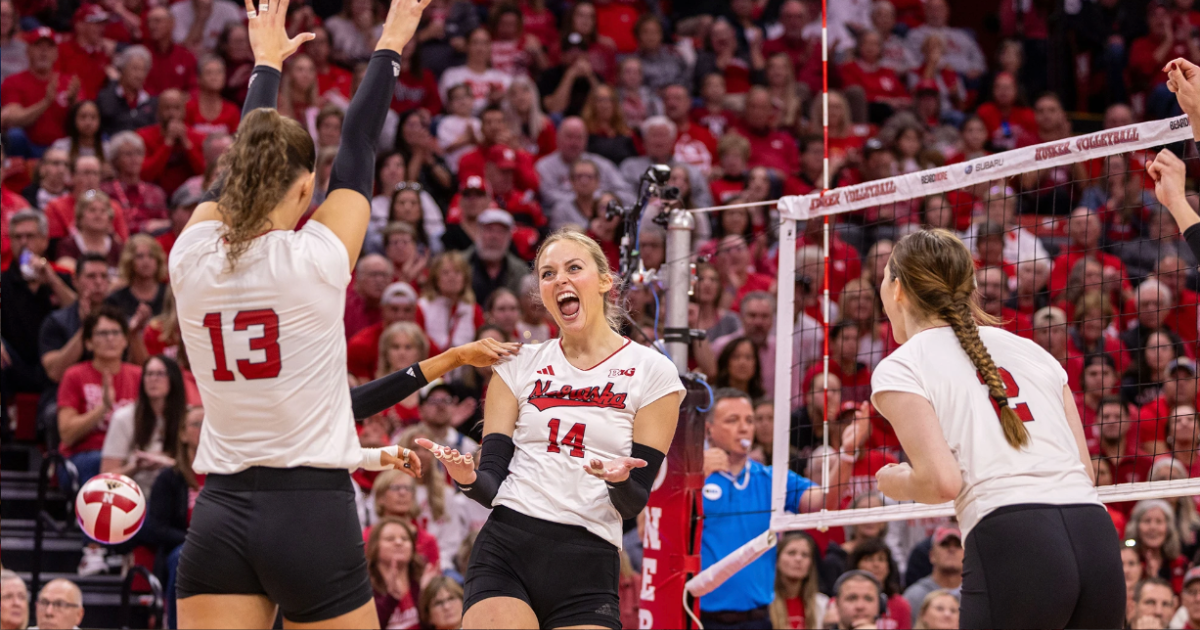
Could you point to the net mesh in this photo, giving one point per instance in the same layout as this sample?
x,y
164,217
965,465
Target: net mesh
x,y
1072,250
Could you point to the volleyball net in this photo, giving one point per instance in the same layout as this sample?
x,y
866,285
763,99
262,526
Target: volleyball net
x,y
1073,251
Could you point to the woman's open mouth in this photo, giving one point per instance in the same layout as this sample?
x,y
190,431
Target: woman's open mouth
x,y
568,305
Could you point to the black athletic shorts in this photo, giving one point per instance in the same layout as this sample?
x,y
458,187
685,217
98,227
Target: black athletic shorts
x,y
566,574
290,534
1043,566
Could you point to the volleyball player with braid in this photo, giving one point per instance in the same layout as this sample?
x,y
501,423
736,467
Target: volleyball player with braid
x,y
987,420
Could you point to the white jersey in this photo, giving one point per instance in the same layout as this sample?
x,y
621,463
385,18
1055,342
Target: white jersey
x,y
1047,470
569,416
268,348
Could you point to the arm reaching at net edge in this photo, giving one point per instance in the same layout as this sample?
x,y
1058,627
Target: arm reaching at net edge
x,y
1169,174
384,393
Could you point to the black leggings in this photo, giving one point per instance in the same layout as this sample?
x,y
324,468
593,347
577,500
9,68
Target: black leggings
x,y
1043,566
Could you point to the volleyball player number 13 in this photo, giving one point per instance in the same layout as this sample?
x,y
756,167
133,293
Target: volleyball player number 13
x,y
268,343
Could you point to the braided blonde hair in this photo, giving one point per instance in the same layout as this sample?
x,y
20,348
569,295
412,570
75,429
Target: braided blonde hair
x,y
938,274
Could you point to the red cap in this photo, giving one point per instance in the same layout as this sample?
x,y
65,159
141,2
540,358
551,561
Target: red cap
x,y
848,405
90,13
927,85
502,156
39,34
941,534
474,182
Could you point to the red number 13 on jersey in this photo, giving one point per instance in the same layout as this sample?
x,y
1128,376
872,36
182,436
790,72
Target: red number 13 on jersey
x,y
1013,391
268,343
573,438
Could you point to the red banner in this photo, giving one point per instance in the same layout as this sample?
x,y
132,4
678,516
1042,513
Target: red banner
x,y
671,535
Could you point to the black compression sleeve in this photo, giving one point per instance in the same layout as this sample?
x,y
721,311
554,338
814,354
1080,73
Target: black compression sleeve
x,y
494,457
630,496
384,393
1192,235
354,166
263,91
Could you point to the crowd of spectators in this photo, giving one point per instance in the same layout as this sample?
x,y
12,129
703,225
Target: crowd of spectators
x,y
513,119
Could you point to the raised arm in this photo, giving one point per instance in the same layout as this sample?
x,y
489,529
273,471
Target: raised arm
x,y
1169,174
267,26
347,209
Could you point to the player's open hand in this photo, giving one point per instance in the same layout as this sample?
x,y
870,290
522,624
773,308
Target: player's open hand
x,y
486,352
268,33
407,463
1183,79
401,23
461,466
616,470
1168,174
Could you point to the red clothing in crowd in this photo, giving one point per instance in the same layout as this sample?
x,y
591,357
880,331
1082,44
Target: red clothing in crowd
x,y
362,352
541,24
358,314
82,389
1020,123
715,121
737,76
615,20
879,82
335,79
25,90
775,149
171,165
1065,262
841,147
727,188
1182,318
805,55
414,91
695,145
1017,323
156,342
845,263
141,202
10,204
1153,418
1144,72
525,177
174,68
60,218
86,63
226,122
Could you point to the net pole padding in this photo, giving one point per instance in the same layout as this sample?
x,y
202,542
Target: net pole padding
x,y
785,319
678,286
920,184
709,579
1136,491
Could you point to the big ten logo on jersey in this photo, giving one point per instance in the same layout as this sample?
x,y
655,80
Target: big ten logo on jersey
x,y
619,373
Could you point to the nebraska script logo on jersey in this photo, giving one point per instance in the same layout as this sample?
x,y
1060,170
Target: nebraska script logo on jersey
x,y
543,397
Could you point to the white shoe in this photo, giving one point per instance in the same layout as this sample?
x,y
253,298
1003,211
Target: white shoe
x,y
93,562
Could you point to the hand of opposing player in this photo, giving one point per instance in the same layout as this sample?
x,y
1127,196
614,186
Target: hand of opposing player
x,y
408,462
1168,173
1183,79
268,33
486,352
460,466
616,470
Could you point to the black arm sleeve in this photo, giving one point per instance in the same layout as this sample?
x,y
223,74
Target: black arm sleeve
x,y
494,457
263,91
630,496
384,393
1192,235
354,166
